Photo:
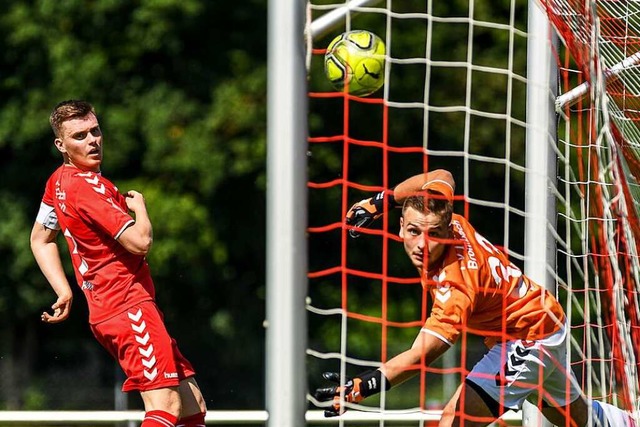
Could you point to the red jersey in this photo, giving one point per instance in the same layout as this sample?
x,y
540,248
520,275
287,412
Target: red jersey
x,y
92,214
476,288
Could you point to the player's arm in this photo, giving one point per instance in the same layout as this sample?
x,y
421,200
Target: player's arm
x,y
45,251
138,237
426,347
413,185
364,212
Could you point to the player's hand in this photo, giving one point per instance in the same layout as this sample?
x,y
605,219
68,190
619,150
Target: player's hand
x,y
352,393
363,213
135,201
61,309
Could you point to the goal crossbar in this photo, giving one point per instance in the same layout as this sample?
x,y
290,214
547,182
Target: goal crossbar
x,y
322,25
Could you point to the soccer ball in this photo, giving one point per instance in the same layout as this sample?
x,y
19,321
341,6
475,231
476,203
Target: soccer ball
x,y
355,59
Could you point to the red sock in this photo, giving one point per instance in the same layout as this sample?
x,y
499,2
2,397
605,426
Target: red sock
x,y
158,419
195,420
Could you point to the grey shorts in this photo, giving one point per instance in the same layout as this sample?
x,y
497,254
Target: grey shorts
x,y
519,370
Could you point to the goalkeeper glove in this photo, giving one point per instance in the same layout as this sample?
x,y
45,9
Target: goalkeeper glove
x,y
364,385
363,213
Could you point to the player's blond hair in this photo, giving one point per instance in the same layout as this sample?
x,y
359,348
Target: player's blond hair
x,y
67,110
431,202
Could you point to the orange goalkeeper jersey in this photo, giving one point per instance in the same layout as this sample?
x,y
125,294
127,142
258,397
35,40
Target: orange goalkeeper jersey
x,y
476,289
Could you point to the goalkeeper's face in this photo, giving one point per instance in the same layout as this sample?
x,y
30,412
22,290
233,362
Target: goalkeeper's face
x,y
424,235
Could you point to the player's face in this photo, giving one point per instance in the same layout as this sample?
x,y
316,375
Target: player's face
x,y
423,234
81,141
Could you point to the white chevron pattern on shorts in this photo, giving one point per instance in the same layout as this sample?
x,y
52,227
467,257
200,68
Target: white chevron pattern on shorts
x,y
146,352
151,375
149,359
149,363
139,328
144,339
135,317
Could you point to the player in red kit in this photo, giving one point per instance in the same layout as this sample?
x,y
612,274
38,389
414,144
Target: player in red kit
x,y
108,247
474,288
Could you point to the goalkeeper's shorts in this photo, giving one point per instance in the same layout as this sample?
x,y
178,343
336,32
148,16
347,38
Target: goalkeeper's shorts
x,y
148,355
520,370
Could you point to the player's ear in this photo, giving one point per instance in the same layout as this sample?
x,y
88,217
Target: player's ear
x,y
58,143
401,232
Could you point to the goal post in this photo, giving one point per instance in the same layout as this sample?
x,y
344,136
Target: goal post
x,y
540,164
286,248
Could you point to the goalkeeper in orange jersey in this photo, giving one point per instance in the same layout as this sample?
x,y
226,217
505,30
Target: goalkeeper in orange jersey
x,y
476,289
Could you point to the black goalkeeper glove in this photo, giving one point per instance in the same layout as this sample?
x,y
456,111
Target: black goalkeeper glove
x,y
364,385
363,213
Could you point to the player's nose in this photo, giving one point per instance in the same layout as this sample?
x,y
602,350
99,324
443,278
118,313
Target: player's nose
x,y
95,142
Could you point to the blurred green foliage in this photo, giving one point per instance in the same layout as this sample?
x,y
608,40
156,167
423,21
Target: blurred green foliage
x,y
181,96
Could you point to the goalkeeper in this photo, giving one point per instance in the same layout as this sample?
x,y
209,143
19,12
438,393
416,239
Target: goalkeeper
x,y
474,288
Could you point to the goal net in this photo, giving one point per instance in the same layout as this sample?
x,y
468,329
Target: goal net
x,y
599,171
455,98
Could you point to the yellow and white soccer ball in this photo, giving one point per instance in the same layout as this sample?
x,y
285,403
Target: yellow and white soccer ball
x,y
356,59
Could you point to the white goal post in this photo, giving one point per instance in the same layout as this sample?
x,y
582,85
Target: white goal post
x,y
574,95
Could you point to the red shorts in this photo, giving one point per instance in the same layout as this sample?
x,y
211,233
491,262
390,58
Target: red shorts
x,y
148,355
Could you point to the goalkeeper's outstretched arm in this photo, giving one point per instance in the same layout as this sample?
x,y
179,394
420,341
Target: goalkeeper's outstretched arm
x,y
439,179
425,349
363,213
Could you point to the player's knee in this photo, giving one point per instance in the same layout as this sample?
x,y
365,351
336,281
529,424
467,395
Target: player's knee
x,y
192,399
172,405
175,406
164,399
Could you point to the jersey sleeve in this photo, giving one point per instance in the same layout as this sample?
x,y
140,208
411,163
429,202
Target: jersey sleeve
x,y
104,210
47,217
47,214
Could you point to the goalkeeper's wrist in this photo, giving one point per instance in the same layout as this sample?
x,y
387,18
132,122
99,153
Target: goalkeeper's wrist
x,y
379,199
372,383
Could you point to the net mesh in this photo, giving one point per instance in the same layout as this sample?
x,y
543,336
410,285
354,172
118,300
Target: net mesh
x,y
454,98
599,140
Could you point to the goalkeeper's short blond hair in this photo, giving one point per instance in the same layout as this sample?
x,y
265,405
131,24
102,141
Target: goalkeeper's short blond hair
x,y
430,202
